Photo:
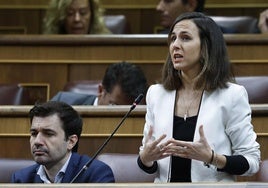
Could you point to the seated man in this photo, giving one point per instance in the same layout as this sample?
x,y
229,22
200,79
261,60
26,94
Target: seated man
x,y
170,10
121,84
55,131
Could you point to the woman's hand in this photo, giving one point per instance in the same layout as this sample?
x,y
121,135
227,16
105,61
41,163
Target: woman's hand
x,y
152,150
199,150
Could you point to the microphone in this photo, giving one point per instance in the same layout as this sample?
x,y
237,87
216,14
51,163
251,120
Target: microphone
x,y
85,167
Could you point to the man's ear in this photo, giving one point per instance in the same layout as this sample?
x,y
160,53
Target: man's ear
x,y
72,140
100,89
191,5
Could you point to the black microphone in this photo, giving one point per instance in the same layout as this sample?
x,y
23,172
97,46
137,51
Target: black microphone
x,y
85,167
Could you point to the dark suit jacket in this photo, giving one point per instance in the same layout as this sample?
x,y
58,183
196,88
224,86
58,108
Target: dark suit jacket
x,y
74,98
98,172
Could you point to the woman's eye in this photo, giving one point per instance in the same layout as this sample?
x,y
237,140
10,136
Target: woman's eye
x,y
83,12
173,38
185,38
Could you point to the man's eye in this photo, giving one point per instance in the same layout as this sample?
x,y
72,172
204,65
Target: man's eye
x,y
33,133
49,133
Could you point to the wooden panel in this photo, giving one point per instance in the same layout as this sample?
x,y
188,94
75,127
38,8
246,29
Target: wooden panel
x,y
38,92
99,123
130,4
141,14
29,20
12,30
59,59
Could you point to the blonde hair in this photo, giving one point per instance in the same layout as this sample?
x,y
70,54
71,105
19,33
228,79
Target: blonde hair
x,y
53,22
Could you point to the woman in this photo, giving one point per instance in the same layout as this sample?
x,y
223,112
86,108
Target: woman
x,y
198,124
74,17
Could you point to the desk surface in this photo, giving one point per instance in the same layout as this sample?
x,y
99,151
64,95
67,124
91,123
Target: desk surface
x,y
99,122
84,110
138,185
119,39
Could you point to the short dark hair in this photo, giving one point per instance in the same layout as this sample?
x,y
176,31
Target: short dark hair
x,y
71,121
213,55
128,76
200,5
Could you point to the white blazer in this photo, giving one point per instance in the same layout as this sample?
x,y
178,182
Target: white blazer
x,y
226,117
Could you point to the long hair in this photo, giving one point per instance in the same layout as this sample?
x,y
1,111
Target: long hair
x,y
54,20
214,59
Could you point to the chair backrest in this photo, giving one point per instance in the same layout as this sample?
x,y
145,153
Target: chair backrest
x,y
14,94
237,24
89,87
262,174
9,166
256,86
125,167
117,24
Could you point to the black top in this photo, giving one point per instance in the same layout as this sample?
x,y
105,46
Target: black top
x,y
182,130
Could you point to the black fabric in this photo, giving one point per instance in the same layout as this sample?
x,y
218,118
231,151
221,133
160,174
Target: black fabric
x,y
236,165
72,98
149,170
182,130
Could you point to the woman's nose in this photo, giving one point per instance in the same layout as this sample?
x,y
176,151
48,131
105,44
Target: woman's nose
x,y
177,44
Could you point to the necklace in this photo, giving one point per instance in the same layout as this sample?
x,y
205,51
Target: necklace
x,y
187,108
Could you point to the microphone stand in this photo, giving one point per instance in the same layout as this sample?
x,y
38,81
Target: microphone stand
x,y
85,167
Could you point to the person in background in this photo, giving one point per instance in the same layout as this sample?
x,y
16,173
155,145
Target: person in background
x,y
74,17
170,9
121,84
263,21
198,122
55,132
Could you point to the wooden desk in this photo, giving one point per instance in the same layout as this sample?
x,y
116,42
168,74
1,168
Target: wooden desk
x,y
99,123
59,59
147,185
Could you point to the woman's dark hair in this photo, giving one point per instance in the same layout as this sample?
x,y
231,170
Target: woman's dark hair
x,y
215,71
71,121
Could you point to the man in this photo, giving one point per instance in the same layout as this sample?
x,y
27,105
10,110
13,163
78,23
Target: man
x,y
121,84
170,9
55,131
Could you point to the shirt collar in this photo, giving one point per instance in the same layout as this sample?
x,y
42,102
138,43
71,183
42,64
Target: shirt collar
x,y
96,102
59,176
